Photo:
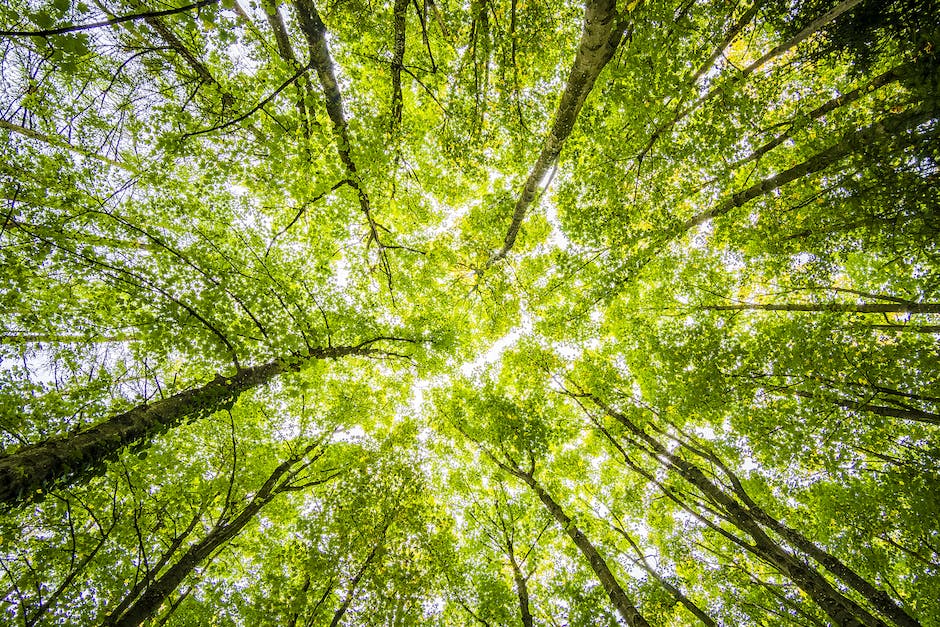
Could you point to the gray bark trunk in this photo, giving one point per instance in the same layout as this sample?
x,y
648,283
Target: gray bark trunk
x,y
599,40
630,614
917,415
154,596
841,610
314,31
65,458
399,14
522,593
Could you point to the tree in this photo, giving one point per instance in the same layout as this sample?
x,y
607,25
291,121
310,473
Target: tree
x,y
494,313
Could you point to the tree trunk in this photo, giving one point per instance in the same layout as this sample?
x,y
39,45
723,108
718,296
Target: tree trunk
x,y
910,328
286,52
630,614
522,593
354,583
152,573
917,415
114,20
314,31
877,598
154,596
66,458
180,48
676,593
894,126
399,13
890,76
62,143
842,610
901,308
599,40
709,63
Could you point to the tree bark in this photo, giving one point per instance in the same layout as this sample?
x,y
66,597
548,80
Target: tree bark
x,y
732,34
917,415
314,31
354,583
853,141
910,328
599,40
174,42
116,20
901,308
522,593
827,107
399,13
630,614
286,52
877,598
221,533
843,611
62,143
66,458
152,573
676,593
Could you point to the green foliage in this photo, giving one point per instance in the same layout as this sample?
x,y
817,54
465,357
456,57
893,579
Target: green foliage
x,y
719,318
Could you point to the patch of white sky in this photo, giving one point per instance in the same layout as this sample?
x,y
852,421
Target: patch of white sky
x,y
494,353
352,433
237,51
733,260
247,213
801,260
700,237
237,190
42,363
499,181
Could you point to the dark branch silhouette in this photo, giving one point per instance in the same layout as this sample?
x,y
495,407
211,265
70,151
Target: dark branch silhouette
x,y
72,28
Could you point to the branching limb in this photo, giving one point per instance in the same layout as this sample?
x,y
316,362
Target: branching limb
x,y
599,40
116,20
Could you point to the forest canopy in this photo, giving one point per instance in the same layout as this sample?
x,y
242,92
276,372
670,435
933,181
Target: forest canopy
x,y
494,312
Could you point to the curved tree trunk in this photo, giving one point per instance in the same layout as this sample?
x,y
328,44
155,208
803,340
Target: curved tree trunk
x,y
630,614
842,610
354,582
878,599
522,593
599,40
160,590
286,52
69,457
153,572
917,415
110,22
676,593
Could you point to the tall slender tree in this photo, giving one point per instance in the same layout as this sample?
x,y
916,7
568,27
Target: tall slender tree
x,y
614,312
